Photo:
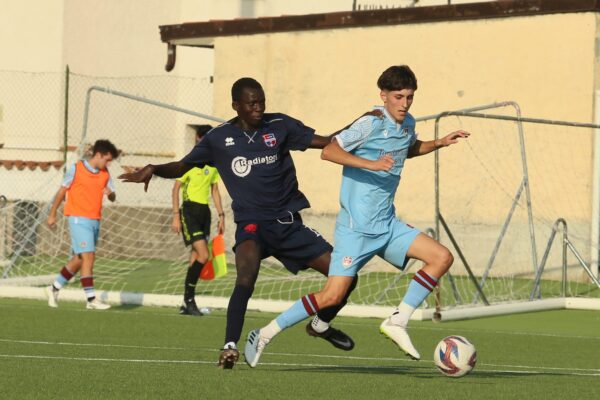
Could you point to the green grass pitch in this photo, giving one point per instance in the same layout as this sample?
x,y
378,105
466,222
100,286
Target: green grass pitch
x,y
139,352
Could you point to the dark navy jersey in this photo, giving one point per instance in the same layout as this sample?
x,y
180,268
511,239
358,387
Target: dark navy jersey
x,y
256,167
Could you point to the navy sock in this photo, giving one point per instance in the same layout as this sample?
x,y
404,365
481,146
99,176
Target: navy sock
x,y
238,303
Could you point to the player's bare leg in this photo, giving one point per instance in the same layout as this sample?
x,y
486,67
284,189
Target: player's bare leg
x,y
437,261
320,325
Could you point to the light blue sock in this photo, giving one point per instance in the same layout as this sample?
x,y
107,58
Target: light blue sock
x,y
419,288
300,310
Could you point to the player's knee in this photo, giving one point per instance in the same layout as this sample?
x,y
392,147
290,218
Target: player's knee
x,y
246,278
445,259
202,257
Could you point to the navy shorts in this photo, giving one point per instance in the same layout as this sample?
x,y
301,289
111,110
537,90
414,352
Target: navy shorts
x,y
288,240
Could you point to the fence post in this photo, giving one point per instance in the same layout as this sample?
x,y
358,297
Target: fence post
x,y
595,240
66,118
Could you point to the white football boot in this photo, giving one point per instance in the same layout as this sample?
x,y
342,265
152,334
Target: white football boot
x,y
52,296
255,344
399,335
97,305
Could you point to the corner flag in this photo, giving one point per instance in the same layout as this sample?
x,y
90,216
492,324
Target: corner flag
x,y
216,266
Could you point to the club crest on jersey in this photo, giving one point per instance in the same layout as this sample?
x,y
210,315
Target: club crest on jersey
x,y
347,261
206,171
229,141
270,139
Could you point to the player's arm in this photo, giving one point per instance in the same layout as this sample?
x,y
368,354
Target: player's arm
x,y
109,190
216,195
335,153
201,154
170,170
176,224
58,199
420,148
319,142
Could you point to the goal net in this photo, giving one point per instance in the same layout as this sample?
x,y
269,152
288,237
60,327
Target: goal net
x,y
498,213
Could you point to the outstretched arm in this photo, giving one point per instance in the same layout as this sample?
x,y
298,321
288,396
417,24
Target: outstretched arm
x,y
319,142
334,153
170,170
420,148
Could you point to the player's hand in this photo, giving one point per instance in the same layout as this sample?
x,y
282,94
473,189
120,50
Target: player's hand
x,y
51,221
385,163
453,137
176,225
221,227
141,175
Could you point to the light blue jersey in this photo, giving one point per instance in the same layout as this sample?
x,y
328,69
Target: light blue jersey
x,y
367,197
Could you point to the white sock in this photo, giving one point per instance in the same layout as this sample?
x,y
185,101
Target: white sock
x,y
319,325
402,314
230,345
270,330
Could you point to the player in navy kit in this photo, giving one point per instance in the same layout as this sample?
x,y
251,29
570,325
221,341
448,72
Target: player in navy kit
x,y
252,154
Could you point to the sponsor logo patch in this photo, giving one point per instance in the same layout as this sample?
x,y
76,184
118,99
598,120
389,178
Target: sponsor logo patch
x,y
241,166
229,141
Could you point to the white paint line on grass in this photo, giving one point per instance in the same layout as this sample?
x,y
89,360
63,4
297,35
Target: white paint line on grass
x,y
308,355
305,365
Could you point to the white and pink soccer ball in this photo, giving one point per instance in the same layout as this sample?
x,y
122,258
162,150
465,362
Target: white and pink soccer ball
x,y
455,356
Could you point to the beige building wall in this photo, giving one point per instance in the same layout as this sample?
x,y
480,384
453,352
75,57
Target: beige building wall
x,y
327,78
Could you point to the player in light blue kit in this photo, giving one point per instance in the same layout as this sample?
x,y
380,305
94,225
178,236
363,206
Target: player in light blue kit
x,y
373,151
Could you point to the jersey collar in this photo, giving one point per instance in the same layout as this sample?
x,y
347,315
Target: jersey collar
x,y
388,117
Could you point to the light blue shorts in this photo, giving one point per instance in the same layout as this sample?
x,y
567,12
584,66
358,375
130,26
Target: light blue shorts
x,y
352,250
84,234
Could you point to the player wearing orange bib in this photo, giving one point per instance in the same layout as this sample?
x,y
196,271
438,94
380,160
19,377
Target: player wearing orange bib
x,y
84,186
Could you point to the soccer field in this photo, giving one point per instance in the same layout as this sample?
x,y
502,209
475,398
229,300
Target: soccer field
x,y
140,352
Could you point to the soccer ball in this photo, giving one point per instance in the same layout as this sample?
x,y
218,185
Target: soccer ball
x,y
455,356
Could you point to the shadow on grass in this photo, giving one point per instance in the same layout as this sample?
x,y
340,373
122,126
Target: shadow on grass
x,y
424,372
126,307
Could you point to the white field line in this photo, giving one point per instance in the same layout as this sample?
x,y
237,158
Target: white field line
x,y
279,354
307,365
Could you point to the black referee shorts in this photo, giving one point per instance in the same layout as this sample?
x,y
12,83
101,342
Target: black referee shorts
x,y
195,222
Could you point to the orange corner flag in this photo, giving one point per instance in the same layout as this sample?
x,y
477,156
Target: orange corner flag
x,y
216,266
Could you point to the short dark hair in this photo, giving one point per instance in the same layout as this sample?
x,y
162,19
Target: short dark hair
x,y
243,83
397,77
104,146
201,130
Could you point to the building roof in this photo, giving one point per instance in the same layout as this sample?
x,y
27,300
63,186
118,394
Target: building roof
x,y
203,33
32,165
